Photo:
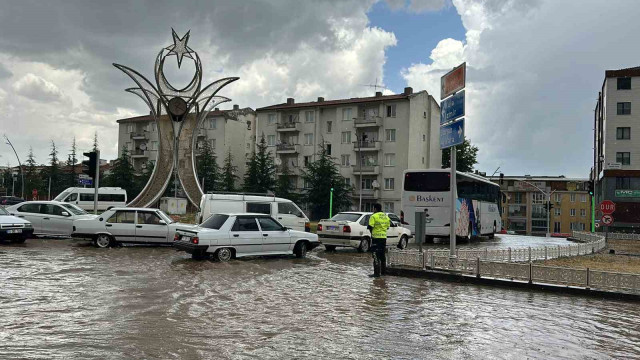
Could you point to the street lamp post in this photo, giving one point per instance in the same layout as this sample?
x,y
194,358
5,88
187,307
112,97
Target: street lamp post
x,y
19,163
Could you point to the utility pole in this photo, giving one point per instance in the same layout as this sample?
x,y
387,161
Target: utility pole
x,y
19,163
96,183
452,204
360,167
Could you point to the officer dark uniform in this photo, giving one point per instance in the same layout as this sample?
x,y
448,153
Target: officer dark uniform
x,y
378,224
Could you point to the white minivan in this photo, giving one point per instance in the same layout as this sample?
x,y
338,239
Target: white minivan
x,y
108,197
285,211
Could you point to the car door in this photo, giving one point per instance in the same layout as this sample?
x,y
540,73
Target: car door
x,y
54,220
245,236
275,237
150,228
290,216
31,213
122,225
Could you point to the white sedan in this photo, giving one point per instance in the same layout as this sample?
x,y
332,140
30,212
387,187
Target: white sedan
x,y
226,236
49,218
127,225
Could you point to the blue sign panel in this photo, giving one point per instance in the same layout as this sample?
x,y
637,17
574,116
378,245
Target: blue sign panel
x,y
452,134
452,108
85,181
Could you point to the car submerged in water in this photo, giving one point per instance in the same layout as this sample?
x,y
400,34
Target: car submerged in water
x,y
14,229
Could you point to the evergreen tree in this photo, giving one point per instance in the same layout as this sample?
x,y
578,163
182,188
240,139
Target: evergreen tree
x,y
261,170
72,165
7,180
251,176
52,178
32,178
95,141
320,176
123,175
229,176
465,156
284,186
207,168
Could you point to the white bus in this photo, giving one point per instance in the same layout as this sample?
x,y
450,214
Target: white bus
x,y
477,203
108,197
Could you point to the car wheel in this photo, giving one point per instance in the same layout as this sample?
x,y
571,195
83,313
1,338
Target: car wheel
x,y
330,248
103,241
224,254
300,250
364,245
404,241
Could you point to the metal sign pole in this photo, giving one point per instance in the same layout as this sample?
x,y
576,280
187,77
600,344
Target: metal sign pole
x,y
96,183
452,215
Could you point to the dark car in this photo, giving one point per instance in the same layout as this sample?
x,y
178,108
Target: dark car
x,y
10,200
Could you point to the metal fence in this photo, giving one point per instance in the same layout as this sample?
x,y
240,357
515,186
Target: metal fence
x,y
515,264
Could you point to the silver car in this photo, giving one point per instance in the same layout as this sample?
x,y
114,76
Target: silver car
x,y
49,218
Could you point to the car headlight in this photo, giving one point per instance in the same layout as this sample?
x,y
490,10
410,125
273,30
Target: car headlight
x,y
28,225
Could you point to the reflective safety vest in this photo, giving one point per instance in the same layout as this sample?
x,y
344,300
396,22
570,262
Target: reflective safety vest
x,y
380,223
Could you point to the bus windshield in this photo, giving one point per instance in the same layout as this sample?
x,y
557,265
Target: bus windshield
x,y
427,181
62,196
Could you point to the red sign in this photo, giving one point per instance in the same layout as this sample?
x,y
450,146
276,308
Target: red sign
x,y
607,207
453,81
34,194
607,219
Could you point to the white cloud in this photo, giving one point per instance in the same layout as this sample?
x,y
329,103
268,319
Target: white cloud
x,y
36,88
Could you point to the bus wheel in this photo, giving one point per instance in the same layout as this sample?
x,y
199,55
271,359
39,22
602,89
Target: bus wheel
x,y
493,233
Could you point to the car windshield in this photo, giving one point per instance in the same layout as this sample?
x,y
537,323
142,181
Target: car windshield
x,y
166,217
346,217
215,221
3,211
62,196
74,209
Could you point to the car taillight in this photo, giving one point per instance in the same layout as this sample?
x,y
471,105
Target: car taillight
x,y
319,227
176,237
346,229
307,227
195,240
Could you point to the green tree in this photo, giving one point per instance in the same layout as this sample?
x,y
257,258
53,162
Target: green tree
x,y
207,168
261,170
320,176
285,187
465,157
123,175
32,178
53,178
7,180
229,176
72,165
142,179
95,141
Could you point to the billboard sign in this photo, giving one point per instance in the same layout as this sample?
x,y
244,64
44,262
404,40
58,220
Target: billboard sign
x,y
452,108
627,193
452,134
453,81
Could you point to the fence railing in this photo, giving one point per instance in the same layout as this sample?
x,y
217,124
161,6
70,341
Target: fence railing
x,y
623,236
515,264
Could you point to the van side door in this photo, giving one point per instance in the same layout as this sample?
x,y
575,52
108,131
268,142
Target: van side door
x,y
290,216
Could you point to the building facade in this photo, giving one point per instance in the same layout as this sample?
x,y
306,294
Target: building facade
x,y
524,208
616,158
225,130
372,139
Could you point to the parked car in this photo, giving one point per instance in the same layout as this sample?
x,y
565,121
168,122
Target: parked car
x,y
108,197
228,236
14,229
127,225
283,210
349,229
50,218
10,200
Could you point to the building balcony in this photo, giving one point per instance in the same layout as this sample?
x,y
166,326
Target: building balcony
x,y
366,146
366,170
366,193
287,149
288,126
294,170
139,136
201,133
137,154
369,121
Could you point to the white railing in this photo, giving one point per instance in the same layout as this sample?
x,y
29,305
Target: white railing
x,y
515,264
623,236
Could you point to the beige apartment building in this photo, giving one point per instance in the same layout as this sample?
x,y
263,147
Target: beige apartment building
x,y
225,130
524,205
373,140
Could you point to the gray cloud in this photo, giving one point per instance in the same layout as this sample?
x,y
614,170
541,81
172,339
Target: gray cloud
x,y
4,72
37,88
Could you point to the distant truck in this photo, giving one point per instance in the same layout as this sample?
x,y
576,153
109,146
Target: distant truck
x,y
108,197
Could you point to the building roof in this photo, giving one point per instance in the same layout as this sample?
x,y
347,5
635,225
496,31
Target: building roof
x,y
632,71
229,114
285,106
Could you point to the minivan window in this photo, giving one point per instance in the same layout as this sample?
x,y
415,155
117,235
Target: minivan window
x,y
215,222
62,196
72,197
110,197
290,209
259,208
86,197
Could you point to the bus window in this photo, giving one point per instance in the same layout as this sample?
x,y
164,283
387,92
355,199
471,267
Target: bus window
x,y
427,181
86,197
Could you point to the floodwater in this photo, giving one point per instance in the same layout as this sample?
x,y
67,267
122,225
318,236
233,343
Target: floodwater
x,y
64,300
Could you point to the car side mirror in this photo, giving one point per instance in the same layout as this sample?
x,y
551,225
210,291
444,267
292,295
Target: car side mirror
x,y
100,219
64,213
162,222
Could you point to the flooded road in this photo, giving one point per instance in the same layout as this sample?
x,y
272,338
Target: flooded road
x,y
64,300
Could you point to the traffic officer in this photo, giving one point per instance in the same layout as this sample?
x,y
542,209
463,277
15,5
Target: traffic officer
x,y
378,224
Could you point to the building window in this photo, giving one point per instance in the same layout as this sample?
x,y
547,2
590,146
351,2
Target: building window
x,y
345,160
328,147
389,159
624,83
391,110
307,160
346,114
388,207
556,227
583,212
424,137
346,137
329,123
271,140
623,183
366,184
557,196
347,181
572,197
572,212
517,198
623,133
308,116
308,139
130,128
583,198
624,108
213,143
558,212
390,135
306,184
272,119
423,159
212,123
389,184
623,158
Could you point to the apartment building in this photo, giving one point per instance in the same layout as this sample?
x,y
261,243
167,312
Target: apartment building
x,y
225,130
372,139
616,157
524,204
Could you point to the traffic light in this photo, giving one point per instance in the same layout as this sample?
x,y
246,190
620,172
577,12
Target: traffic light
x,y
90,166
590,187
501,178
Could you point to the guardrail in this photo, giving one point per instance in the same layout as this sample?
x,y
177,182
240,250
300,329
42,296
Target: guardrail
x,y
515,264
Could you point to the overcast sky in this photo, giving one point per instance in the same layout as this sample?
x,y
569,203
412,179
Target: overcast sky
x,y
534,67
